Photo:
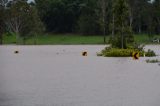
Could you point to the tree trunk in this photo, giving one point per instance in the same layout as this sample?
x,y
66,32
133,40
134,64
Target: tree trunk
x,y
130,18
122,46
104,29
1,35
103,3
1,40
139,24
158,25
24,40
122,42
113,22
122,37
104,36
139,29
17,37
35,39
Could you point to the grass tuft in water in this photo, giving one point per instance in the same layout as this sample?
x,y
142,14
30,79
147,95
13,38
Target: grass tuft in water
x,y
152,61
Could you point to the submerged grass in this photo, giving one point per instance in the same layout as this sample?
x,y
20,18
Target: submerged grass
x,y
152,61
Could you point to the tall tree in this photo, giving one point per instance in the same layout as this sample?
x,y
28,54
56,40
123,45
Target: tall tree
x,y
139,13
156,6
2,18
35,25
105,9
88,22
121,12
103,5
20,19
59,15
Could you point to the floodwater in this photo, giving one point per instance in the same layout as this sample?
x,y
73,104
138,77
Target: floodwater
x,y
59,76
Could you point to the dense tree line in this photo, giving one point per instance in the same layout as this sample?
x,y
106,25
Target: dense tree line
x,y
96,16
88,17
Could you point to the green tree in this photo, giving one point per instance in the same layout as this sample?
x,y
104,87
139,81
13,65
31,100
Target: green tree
x,y
104,16
103,5
122,29
2,18
88,23
138,15
22,19
59,15
35,24
96,16
156,6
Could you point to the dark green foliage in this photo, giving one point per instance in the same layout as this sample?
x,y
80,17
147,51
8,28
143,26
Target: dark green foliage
x,y
145,16
117,42
88,26
2,19
33,27
70,16
123,32
150,53
96,16
102,17
156,13
153,61
59,15
88,20
1,24
22,19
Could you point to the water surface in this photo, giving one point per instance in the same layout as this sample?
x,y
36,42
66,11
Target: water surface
x,y
60,76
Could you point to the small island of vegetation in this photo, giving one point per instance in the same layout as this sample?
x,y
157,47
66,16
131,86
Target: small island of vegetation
x,y
122,41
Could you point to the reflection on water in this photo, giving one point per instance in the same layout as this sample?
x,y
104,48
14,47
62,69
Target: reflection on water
x,y
39,77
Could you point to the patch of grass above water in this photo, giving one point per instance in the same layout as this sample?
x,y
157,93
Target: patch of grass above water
x,y
152,61
115,52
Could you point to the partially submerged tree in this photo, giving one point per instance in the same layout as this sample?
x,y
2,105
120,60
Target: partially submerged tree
x,y
123,31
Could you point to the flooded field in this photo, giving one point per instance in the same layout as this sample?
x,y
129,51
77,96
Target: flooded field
x,y
60,76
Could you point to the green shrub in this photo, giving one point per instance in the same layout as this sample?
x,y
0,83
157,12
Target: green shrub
x,y
152,61
139,47
150,53
115,52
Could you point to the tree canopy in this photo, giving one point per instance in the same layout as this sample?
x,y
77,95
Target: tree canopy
x,y
22,19
87,17
90,16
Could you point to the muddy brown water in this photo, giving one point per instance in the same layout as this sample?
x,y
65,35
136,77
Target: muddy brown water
x,y
60,76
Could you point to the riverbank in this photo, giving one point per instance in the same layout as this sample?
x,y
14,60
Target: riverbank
x,y
70,39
